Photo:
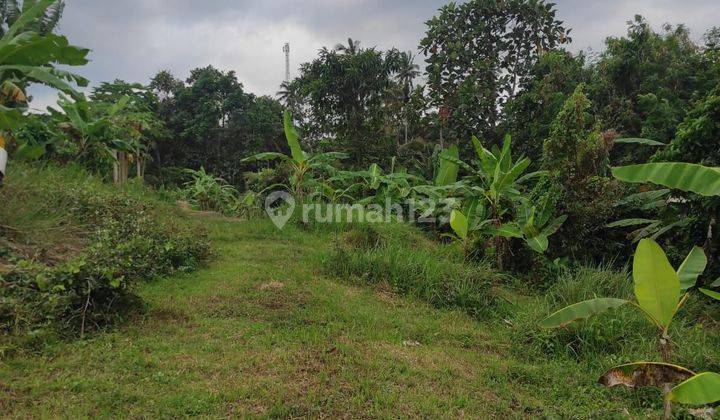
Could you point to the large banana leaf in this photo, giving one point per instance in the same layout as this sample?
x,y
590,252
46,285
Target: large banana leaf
x,y
701,389
538,243
33,49
699,179
657,286
581,310
10,118
635,140
630,222
507,230
691,268
449,167
293,139
25,18
375,172
265,156
459,224
488,161
513,174
553,226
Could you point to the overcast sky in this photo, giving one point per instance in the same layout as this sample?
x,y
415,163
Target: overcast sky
x,y
134,39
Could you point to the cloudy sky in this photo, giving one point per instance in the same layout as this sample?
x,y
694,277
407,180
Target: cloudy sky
x,y
134,39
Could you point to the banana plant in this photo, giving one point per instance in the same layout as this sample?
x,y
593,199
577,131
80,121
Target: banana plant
x,y
304,166
87,129
660,292
535,224
496,179
468,224
689,177
29,57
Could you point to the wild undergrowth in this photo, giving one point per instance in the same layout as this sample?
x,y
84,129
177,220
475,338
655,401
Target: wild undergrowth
x,y
72,251
618,336
400,258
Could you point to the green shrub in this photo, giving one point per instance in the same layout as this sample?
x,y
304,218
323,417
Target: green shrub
x,y
209,193
79,273
402,259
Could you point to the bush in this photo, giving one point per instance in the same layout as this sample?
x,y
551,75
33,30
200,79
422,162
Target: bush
x,y
79,272
402,259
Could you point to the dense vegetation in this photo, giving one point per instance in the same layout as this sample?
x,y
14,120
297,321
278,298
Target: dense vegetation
x,y
534,171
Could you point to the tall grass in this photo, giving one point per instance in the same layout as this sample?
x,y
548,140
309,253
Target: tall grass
x,y
400,258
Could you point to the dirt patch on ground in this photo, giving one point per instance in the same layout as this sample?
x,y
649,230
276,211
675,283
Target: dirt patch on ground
x,y
272,285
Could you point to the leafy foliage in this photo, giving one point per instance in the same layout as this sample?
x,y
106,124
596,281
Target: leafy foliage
x,y
126,238
479,53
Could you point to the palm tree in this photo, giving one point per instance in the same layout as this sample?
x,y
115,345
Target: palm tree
x,y
352,48
406,73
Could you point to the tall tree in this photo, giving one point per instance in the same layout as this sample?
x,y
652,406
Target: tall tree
x,y
213,123
343,98
407,71
478,53
352,47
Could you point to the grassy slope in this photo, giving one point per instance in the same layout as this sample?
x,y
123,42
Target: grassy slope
x,y
260,332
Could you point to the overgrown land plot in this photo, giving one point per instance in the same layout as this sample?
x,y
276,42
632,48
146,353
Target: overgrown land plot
x,y
515,228
262,331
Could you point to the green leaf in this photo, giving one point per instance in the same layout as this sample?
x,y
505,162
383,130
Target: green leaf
x,y
553,226
264,157
644,197
293,139
691,268
710,293
28,16
701,389
488,161
11,118
538,243
657,286
716,283
581,310
507,230
29,152
690,177
513,174
44,75
635,140
449,167
459,224
630,222
375,173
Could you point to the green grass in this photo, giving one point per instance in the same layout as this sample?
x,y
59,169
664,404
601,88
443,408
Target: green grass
x,y
262,333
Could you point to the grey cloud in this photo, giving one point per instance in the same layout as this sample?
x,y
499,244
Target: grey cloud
x,y
133,39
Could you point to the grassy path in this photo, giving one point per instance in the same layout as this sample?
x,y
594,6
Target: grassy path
x,y
261,333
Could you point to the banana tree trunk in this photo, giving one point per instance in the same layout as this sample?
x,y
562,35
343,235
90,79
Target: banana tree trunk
x,y
3,158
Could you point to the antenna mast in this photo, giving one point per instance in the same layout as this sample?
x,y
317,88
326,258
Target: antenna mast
x,y
286,50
